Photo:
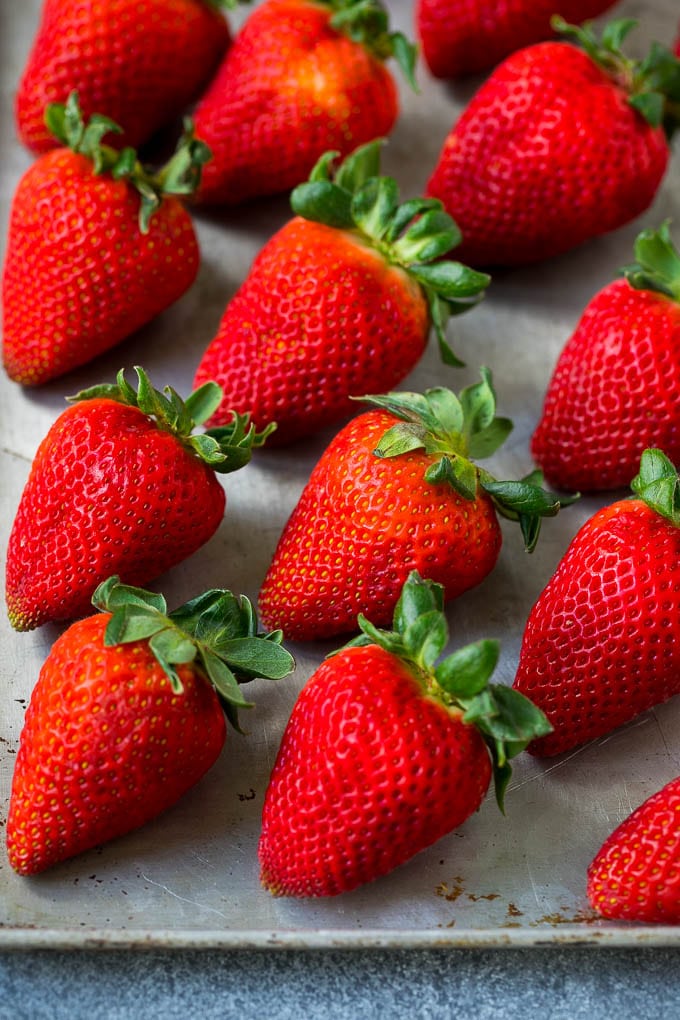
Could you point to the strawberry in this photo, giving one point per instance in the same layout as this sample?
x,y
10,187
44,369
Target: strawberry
x,y
601,643
387,751
96,248
301,78
460,37
395,491
140,65
340,301
616,387
559,145
127,715
119,485
635,876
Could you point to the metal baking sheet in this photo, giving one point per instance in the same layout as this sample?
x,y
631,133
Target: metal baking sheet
x,y
190,878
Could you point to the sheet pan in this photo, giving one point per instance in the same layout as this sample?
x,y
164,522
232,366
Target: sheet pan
x,y
190,878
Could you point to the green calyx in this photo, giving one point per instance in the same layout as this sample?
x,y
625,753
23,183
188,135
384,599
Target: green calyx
x,y
414,235
367,22
457,430
657,265
217,631
181,175
652,84
507,720
224,449
657,484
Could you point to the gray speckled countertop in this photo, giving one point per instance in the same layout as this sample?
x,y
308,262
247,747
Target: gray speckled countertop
x,y
553,983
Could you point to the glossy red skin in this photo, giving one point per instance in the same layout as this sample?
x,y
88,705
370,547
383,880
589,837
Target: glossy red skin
x,y
109,493
319,318
290,89
370,771
615,392
79,275
138,64
106,746
601,642
361,525
547,154
635,876
460,37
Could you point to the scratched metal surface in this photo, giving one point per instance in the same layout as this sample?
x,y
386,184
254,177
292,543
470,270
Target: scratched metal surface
x,y
190,878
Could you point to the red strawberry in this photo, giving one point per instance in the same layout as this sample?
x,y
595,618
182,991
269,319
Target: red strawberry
x,y
396,491
119,485
301,78
339,302
127,715
140,65
387,751
559,145
96,248
461,37
616,387
635,875
601,643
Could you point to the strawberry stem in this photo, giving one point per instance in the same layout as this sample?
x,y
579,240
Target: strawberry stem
x,y
507,720
367,22
457,430
224,449
414,235
657,265
180,176
217,631
652,84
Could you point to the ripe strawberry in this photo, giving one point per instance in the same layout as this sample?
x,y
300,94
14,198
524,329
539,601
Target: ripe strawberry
x,y
559,145
119,485
97,247
301,78
340,301
601,643
460,37
396,491
386,751
140,65
635,875
616,387
127,715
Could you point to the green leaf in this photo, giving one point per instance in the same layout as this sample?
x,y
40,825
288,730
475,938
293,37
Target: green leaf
x,y
657,484
425,638
466,672
485,442
458,472
133,623
203,402
408,211
223,680
446,413
452,280
406,55
400,439
323,202
255,657
360,165
111,595
374,204
170,645
429,237
418,597
657,265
